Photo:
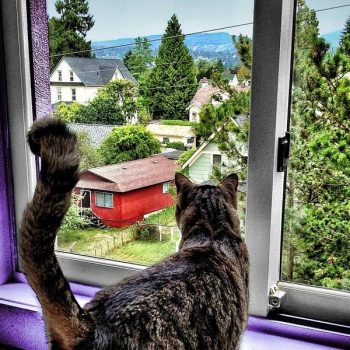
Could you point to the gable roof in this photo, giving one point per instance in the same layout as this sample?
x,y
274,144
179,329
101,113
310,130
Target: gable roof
x,y
96,132
128,176
97,71
204,95
238,120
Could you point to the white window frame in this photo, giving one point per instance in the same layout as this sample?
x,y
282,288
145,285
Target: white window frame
x,y
71,75
59,94
104,199
270,96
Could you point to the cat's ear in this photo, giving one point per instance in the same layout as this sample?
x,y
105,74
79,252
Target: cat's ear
x,y
230,184
183,184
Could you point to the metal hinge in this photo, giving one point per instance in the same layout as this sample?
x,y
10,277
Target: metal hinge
x,y
276,297
283,152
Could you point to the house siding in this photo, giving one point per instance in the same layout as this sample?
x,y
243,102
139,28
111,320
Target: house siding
x,y
201,169
130,207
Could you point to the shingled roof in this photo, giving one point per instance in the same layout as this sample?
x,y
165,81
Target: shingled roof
x,y
128,176
204,95
97,71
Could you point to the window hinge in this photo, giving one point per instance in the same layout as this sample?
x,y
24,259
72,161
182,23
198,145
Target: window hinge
x,y
283,152
276,297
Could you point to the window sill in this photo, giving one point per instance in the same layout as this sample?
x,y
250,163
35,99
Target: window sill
x,y
22,326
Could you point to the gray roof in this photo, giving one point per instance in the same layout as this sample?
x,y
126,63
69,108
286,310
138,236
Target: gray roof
x,y
97,71
96,132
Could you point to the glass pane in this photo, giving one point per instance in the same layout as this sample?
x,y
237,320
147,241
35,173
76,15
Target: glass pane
x,y
108,200
316,246
99,197
143,110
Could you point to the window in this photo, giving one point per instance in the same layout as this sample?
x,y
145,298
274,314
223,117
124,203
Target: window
x,y
166,140
59,94
103,199
268,121
217,160
71,75
74,94
166,187
189,140
59,75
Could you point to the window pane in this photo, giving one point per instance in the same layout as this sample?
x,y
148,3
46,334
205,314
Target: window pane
x,y
134,102
316,248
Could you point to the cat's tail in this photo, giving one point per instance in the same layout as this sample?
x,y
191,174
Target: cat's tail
x,y
68,325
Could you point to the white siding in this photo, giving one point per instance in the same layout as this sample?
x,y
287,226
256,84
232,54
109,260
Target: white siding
x,y
83,94
64,67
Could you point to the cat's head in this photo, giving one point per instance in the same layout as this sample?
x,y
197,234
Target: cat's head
x,y
206,205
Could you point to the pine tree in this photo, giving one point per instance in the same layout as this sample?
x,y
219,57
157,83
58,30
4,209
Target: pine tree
x,y
67,33
243,45
172,82
345,38
139,59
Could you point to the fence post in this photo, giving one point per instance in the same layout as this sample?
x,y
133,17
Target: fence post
x,y
160,232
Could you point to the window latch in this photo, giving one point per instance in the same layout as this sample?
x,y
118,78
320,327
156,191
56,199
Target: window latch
x,y
276,297
283,152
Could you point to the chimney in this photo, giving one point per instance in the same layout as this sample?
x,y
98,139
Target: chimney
x,y
204,82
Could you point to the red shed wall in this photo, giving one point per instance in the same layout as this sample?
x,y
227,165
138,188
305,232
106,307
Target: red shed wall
x,y
135,204
130,207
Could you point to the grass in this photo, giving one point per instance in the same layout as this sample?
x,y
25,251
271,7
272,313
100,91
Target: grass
x,y
177,122
118,243
143,252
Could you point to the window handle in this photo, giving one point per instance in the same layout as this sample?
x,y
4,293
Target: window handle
x,y
283,152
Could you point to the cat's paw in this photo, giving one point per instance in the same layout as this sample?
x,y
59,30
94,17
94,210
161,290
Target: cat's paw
x,y
52,140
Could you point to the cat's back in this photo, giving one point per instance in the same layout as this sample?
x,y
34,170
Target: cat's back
x,y
195,299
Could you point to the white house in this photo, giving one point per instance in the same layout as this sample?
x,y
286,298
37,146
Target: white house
x,y
79,78
208,93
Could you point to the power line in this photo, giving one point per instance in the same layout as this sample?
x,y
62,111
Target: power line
x,y
152,40
332,8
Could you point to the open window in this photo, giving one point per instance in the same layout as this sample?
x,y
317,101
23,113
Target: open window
x,y
285,215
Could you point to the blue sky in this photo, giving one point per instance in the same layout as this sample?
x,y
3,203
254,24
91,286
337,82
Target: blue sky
x,y
130,18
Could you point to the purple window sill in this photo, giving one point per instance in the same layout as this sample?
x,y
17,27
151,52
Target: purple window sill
x,y
22,325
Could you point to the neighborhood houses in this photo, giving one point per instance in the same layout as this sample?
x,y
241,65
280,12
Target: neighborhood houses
x,y
79,78
122,194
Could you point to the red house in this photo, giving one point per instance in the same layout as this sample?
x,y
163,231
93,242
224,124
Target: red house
x,y
121,194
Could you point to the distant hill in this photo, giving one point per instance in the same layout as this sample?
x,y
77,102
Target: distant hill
x,y
333,38
207,45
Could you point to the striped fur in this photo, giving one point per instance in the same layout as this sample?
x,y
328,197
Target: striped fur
x,y
195,299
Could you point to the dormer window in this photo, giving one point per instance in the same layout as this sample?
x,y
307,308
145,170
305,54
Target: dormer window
x,y
59,75
71,76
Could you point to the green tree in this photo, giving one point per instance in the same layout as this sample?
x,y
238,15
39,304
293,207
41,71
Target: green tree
x,y
139,59
317,216
115,103
68,112
67,33
89,157
243,45
204,67
172,82
128,143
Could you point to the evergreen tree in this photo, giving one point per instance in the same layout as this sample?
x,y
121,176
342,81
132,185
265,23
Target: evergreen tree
x,y
139,59
67,33
172,82
345,38
243,45
317,212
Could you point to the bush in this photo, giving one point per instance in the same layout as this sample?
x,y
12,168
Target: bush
x,y
146,232
75,218
176,145
128,143
177,122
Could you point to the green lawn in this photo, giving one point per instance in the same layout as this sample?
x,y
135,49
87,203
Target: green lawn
x,y
143,252
118,244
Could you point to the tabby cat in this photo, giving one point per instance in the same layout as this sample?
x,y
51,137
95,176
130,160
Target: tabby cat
x,y
195,299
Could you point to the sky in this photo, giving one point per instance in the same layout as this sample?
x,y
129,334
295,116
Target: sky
x,y
116,19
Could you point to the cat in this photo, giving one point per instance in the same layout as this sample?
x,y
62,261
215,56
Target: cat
x,y
195,299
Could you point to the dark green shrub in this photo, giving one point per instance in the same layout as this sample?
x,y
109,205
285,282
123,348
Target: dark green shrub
x,y
146,232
